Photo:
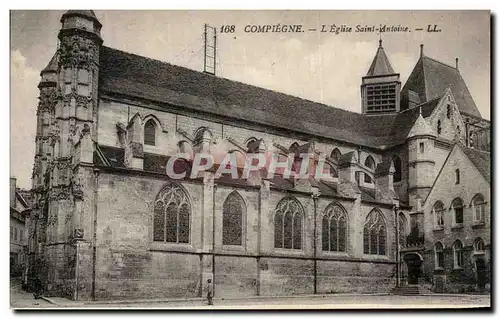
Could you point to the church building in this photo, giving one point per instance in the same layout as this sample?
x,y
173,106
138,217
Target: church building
x,y
407,205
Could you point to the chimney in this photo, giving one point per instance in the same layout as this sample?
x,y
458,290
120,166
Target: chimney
x,y
13,191
421,50
456,63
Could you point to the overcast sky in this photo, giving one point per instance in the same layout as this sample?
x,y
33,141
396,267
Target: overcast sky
x,y
322,67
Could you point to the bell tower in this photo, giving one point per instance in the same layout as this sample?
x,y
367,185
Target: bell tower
x,y
380,86
63,172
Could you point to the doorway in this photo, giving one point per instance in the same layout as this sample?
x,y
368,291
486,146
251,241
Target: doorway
x,y
413,262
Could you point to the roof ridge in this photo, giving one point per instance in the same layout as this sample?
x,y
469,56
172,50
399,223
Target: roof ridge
x,y
235,81
445,64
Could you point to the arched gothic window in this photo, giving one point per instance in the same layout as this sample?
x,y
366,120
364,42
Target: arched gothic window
x,y
478,207
374,234
370,162
150,132
288,224
336,154
334,230
397,168
479,246
172,211
439,255
458,254
437,212
458,211
402,224
233,213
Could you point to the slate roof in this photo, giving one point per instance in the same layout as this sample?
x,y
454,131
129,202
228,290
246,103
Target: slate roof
x,y
430,79
52,66
380,64
84,13
480,159
133,76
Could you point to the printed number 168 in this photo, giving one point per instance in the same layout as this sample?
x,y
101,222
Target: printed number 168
x,y
227,29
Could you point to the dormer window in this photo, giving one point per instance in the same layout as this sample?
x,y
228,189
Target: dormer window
x,y
439,127
448,111
457,176
150,133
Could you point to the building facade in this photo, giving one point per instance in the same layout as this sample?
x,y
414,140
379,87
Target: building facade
x,y
109,223
19,209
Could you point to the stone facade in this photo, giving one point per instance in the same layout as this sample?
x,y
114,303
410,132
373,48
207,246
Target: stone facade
x,y
102,223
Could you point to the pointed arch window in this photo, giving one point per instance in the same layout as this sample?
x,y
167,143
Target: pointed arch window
x,y
370,162
397,168
458,254
172,211
457,176
479,208
479,246
437,212
233,213
336,155
288,224
334,228
458,211
439,255
439,127
150,133
374,234
402,224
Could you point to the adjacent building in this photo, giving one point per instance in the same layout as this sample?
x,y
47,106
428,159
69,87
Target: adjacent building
x,y
19,209
109,223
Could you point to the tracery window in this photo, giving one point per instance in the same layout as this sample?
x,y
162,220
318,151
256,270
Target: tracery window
x,y
374,234
233,213
172,213
370,162
288,224
336,154
334,228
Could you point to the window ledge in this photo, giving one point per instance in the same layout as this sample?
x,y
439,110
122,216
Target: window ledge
x,y
438,269
376,257
478,224
457,226
156,245
240,248
334,253
438,228
479,253
289,252
458,268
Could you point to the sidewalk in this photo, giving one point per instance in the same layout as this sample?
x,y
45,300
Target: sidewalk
x,y
187,302
64,302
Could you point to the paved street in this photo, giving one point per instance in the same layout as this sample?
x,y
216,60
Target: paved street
x,y
331,302
21,299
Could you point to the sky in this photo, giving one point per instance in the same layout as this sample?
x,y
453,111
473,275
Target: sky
x,y
322,67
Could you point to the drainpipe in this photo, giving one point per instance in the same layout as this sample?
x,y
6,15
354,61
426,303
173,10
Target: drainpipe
x,y
315,200
397,244
94,235
213,238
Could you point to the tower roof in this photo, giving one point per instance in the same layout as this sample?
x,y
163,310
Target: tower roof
x,y
82,13
420,127
430,79
380,64
52,66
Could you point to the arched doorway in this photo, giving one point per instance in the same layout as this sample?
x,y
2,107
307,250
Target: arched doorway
x,y
413,262
482,275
